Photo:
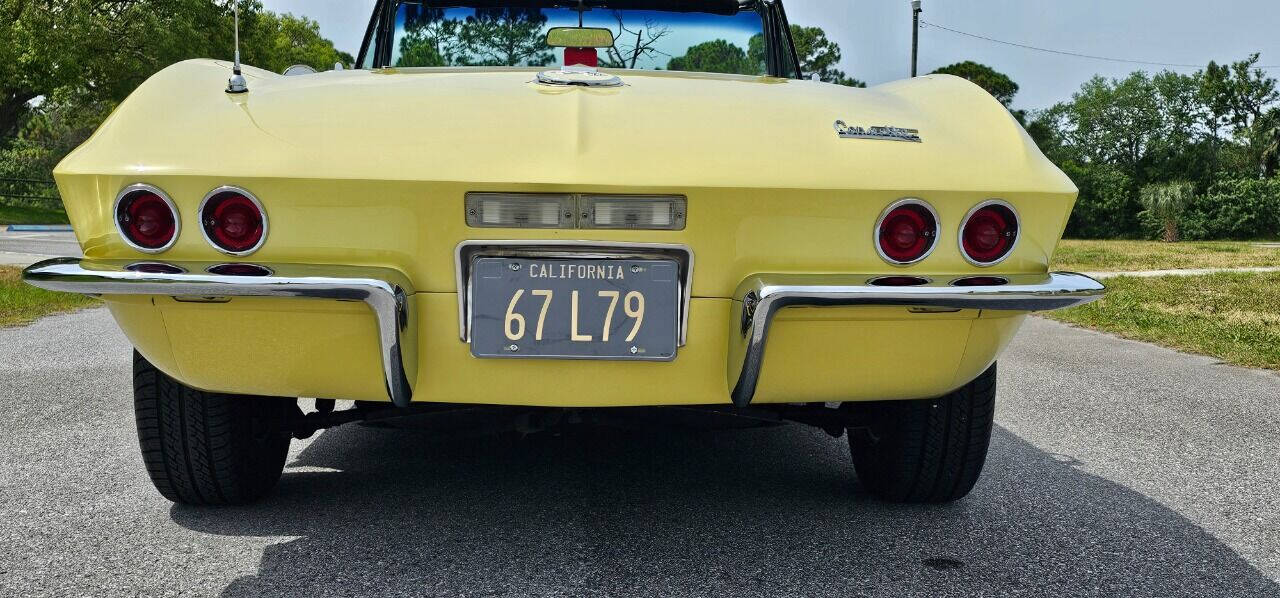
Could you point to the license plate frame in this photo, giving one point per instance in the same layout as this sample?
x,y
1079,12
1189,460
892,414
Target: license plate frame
x,y
504,324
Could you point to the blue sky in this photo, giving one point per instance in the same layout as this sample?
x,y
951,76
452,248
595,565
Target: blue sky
x,y
875,35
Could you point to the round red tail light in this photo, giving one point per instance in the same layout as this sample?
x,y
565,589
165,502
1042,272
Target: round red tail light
x,y
989,232
906,232
233,221
146,218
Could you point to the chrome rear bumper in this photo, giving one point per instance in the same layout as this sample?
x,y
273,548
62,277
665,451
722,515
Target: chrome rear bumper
x,y
762,295
382,289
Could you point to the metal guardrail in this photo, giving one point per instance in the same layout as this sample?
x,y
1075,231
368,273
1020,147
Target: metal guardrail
x,y
33,192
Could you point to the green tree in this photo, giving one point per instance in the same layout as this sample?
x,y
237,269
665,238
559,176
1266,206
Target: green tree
x,y
1238,97
1268,142
996,83
1240,92
506,37
418,50
1122,139
1182,149
47,134
1107,207
716,56
430,39
1164,204
490,37
278,41
72,45
818,55
1115,122
93,51
1242,208
1047,128
65,64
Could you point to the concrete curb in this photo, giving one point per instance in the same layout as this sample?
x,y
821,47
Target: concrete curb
x,y
1181,272
13,228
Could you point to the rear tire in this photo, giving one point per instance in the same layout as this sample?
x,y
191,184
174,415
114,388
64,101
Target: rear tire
x,y
203,448
925,451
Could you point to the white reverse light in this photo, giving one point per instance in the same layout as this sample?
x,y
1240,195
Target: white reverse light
x,y
652,212
564,210
520,210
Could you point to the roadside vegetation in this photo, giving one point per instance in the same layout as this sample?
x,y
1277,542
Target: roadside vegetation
x,y
1233,316
21,303
1170,155
31,215
1117,256
64,68
1191,160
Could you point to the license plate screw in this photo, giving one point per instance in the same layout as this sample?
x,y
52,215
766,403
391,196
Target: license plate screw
x,y
634,349
636,269
513,348
514,266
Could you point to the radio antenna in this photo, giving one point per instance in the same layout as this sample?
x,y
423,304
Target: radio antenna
x,y
237,84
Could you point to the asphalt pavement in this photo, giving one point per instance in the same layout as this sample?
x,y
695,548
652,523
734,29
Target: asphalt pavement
x,y
1117,469
23,248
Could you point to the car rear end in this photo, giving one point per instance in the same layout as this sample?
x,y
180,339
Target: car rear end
x,y
505,236
717,250
415,252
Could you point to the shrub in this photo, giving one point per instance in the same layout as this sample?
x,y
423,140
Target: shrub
x,y
1107,207
1164,204
1235,209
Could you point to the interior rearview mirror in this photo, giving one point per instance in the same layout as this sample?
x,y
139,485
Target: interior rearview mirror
x,y
579,37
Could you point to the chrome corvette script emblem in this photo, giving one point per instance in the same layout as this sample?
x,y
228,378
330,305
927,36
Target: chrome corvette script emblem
x,y
887,133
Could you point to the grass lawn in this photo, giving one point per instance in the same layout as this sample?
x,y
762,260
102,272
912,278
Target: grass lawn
x,y
31,215
1096,256
21,303
1234,316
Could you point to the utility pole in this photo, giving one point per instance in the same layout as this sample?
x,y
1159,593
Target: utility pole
x,y
915,33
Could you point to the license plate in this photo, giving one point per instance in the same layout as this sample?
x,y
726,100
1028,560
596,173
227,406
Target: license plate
x,y
625,309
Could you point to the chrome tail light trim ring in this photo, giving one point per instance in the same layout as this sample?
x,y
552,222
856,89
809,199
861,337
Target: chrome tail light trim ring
x,y
906,201
266,227
173,208
1017,231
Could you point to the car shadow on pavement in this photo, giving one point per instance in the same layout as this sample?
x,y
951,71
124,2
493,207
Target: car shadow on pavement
x,y
673,511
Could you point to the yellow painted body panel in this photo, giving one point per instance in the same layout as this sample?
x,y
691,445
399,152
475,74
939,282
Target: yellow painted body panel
x,y
298,347
370,168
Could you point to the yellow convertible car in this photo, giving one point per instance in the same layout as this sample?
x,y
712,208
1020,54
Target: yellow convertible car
x,y
566,204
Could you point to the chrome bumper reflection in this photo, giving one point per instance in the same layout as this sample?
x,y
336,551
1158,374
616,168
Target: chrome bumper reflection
x,y
761,297
382,289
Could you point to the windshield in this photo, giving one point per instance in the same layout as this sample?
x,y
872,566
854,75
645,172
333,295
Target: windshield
x,y
426,35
